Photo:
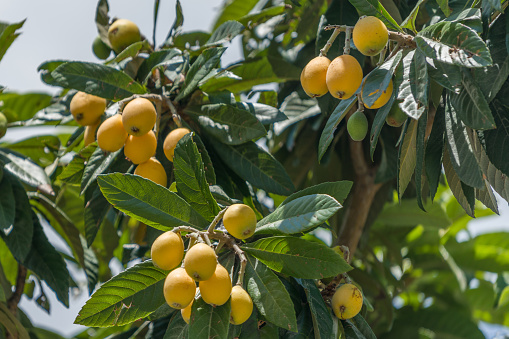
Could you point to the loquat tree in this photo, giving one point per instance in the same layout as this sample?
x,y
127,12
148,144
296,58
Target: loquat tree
x,y
319,188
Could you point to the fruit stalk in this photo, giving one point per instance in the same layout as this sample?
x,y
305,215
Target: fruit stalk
x,y
173,110
348,34
337,29
216,220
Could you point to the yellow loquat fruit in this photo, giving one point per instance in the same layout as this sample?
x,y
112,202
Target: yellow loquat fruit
x,y
200,262
140,149
344,76
240,221
347,301
111,135
312,77
152,170
179,289
87,108
167,250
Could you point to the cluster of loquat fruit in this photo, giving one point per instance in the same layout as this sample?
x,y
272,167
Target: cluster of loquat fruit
x,y
343,76
132,129
200,265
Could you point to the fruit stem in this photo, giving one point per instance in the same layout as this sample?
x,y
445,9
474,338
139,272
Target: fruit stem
x,y
174,114
214,222
205,238
158,119
382,56
348,34
243,263
337,29
360,103
186,229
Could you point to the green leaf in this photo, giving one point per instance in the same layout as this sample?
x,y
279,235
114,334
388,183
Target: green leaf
x,y
102,20
494,176
261,16
96,207
203,65
176,28
148,202
491,79
335,118
26,171
471,105
44,260
11,324
486,252
7,35
377,80
434,151
296,109
375,8
297,257
166,57
130,52
64,226
460,149
407,157
419,159
18,235
128,296
494,141
464,196
103,81
379,121
406,213
410,19
226,32
233,10
299,215
73,171
338,190
252,72
444,6
411,79
322,319
40,149
230,125
97,164
450,324
255,165
7,203
447,75
453,43
209,321
362,325
190,178
18,107
177,327
269,295
264,113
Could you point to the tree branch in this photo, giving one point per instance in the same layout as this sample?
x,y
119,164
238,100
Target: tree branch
x,y
363,193
13,301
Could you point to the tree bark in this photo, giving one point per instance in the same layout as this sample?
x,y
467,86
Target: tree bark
x,y
363,193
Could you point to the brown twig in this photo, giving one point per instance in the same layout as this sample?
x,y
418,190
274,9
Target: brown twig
x,y
14,299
